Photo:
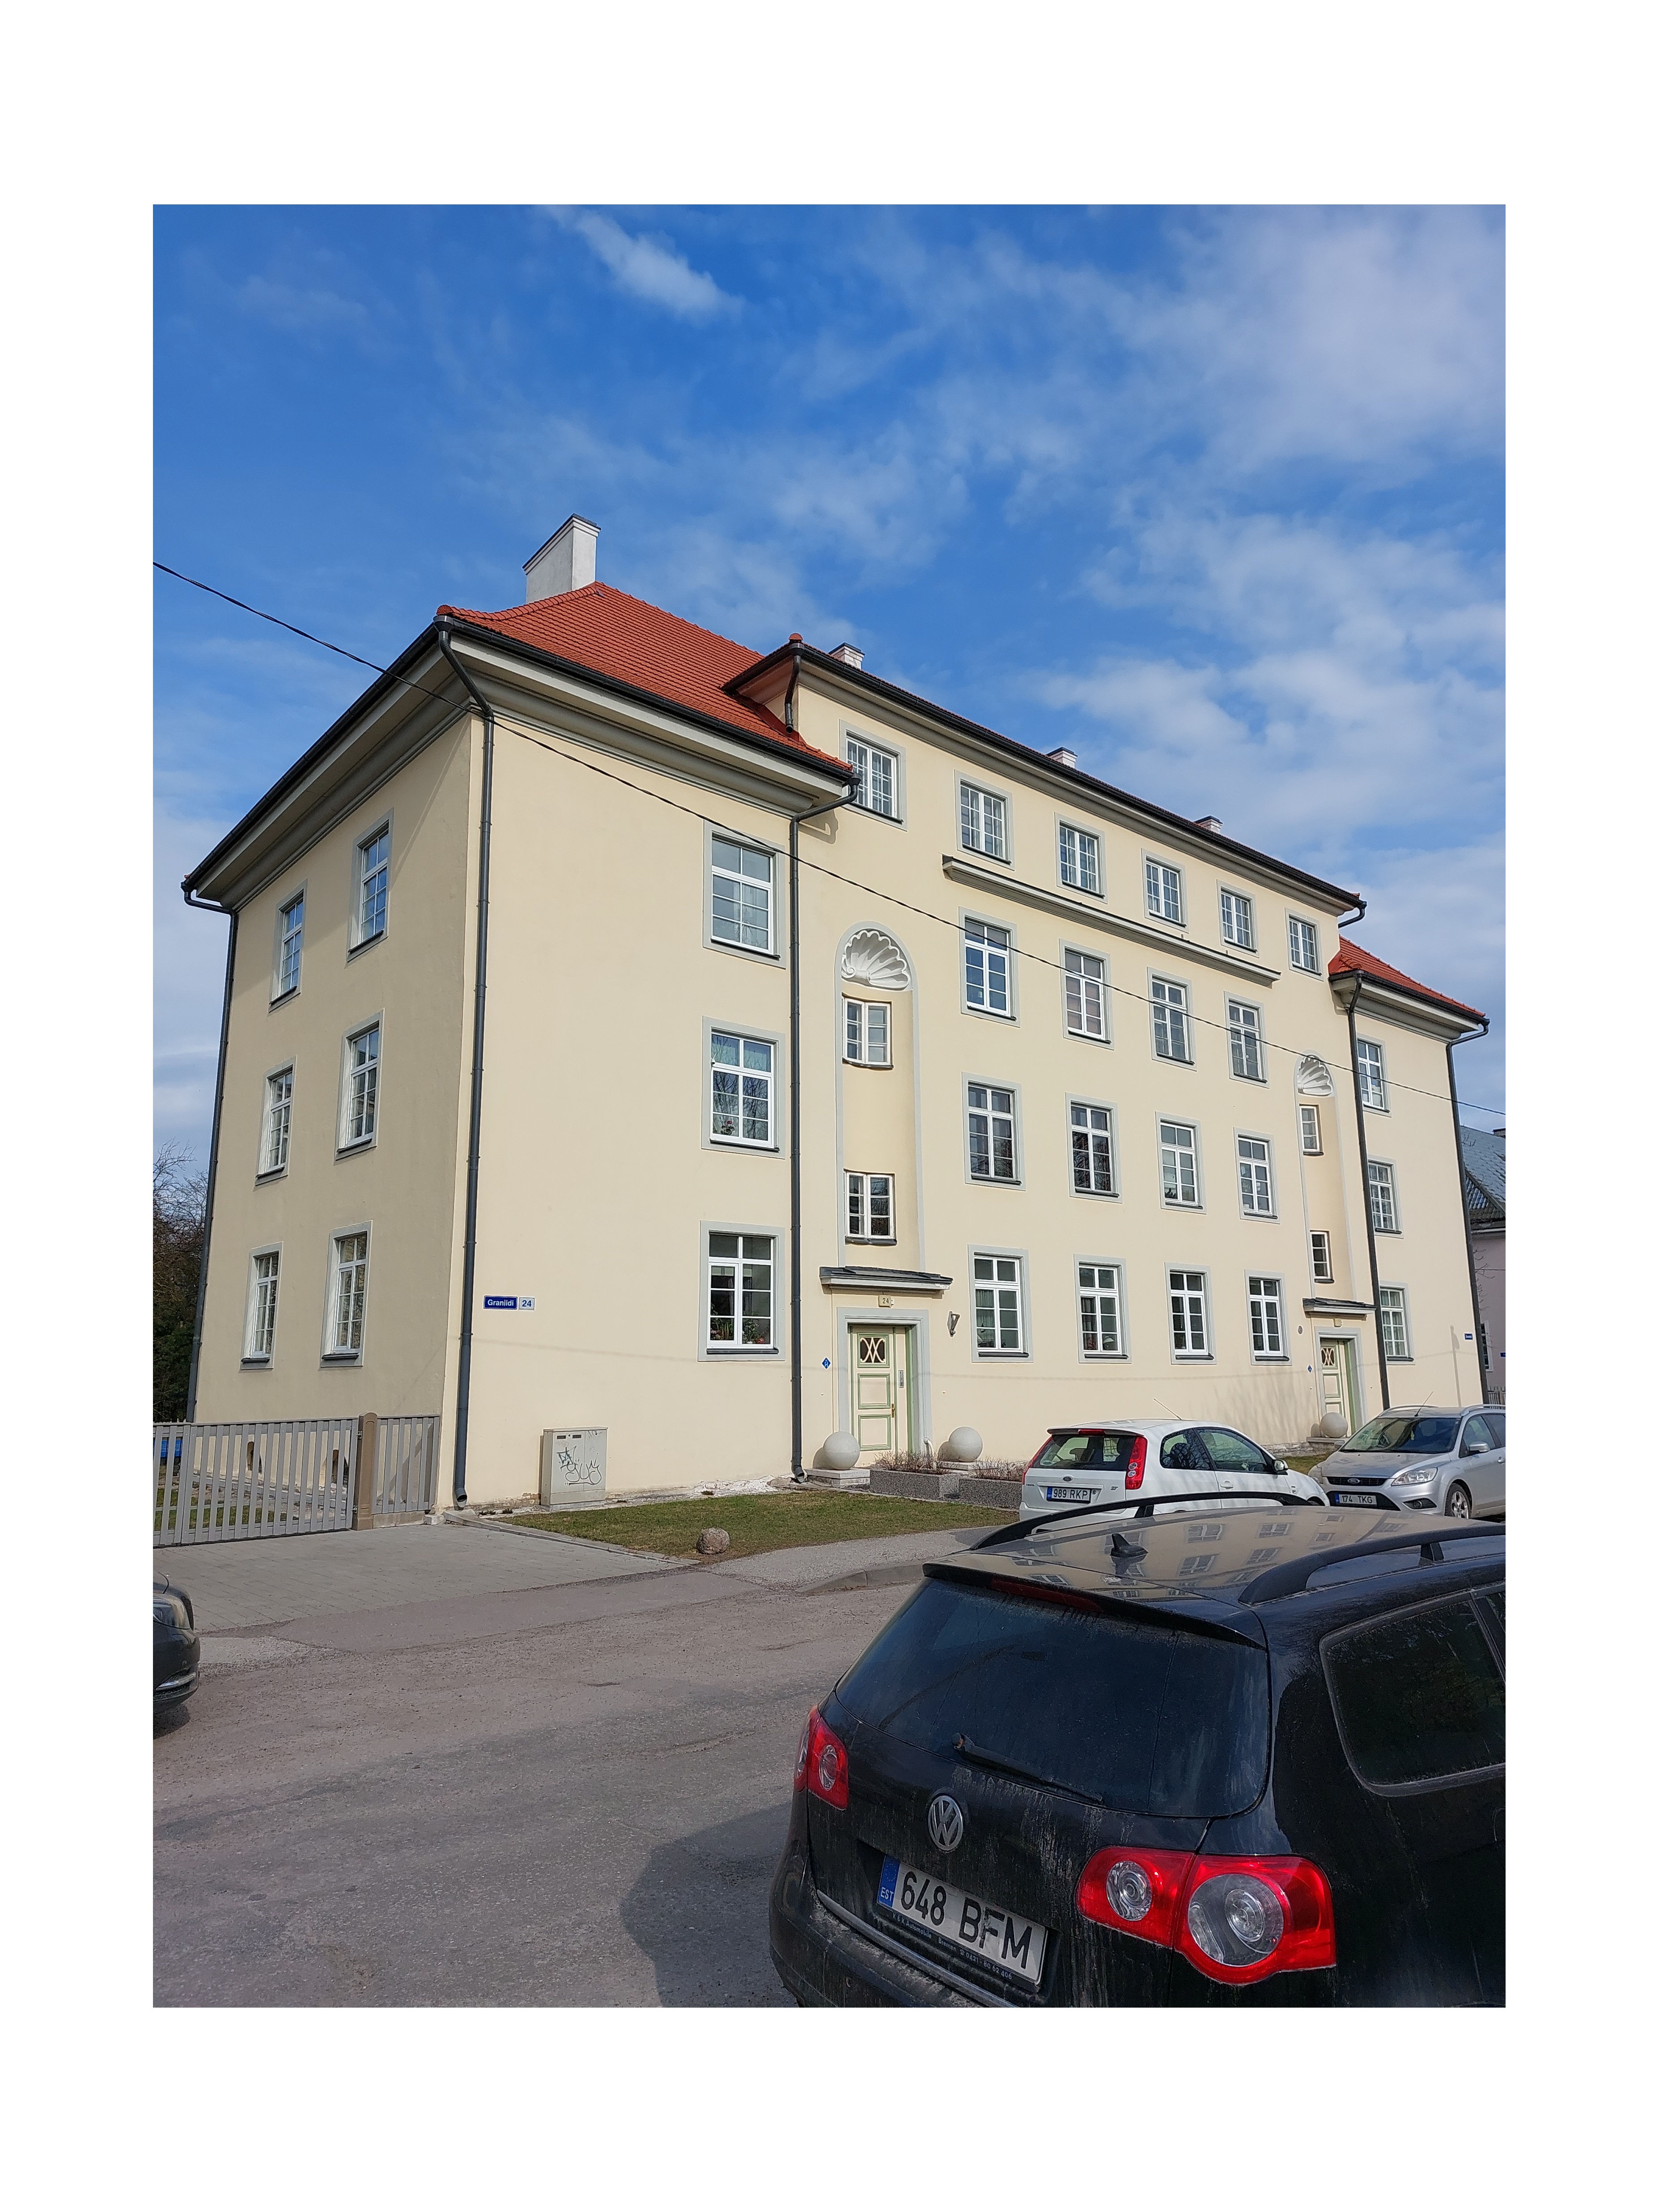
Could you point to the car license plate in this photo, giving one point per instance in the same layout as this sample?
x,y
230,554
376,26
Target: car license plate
x,y
968,1923
1057,1494
1355,1497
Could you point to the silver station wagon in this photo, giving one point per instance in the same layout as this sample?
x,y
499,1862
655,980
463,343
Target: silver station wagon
x,y
1423,1459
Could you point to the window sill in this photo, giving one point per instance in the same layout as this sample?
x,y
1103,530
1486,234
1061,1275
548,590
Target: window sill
x,y
1404,1359
342,1359
974,853
1076,1193
996,1183
367,944
744,952
875,1067
742,1350
1169,1060
361,1145
1082,1036
875,814
283,997
1261,1081
1192,1358
1081,890
741,1144
255,1359
1103,1355
988,1013
1258,1217
980,1354
1182,1205
889,1241
1271,1358
1385,1232
269,1175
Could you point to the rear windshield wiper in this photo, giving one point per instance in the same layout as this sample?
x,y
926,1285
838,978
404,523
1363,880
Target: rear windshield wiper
x,y
965,1748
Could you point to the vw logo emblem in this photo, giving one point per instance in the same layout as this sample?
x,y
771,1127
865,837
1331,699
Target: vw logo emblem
x,y
945,1822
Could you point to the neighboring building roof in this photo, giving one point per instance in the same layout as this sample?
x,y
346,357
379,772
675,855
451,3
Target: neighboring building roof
x,y
1483,1176
598,627
1350,959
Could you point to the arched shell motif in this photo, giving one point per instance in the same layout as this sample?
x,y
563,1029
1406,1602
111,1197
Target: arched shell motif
x,y
872,957
1313,1077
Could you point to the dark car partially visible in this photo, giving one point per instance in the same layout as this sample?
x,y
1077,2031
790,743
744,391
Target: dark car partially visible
x,y
1234,1754
178,1650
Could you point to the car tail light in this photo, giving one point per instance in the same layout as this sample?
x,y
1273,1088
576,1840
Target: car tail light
x,y
820,1762
1135,1474
1138,1892
1235,1919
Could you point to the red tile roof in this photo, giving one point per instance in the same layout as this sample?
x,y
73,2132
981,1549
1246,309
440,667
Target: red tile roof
x,y
1353,960
600,628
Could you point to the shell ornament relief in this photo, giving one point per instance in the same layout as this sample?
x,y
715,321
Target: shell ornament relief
x,y
1313,1077
870,957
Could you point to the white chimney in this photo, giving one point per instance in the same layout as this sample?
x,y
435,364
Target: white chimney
x,y
1064,755
850,654
1209,821
567,561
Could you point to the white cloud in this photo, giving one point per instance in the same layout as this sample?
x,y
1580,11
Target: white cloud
x,y
648,267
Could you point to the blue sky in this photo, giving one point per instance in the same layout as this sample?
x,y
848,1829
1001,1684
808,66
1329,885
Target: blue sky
x,y
1214,496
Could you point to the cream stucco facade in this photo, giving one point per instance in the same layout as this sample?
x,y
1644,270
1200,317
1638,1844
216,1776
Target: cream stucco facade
x,y
617,1008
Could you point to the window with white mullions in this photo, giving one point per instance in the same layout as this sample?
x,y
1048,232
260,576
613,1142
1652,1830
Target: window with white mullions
x,y
868,1033
1177,1146
877,773
1309,1118
1244,1040
997,1315
1238,920
360,1105
739,1294
1391,1312
1267,1317
1373,1090
274,1128
1099,1316
1189,1325
291,939
990,1154
1080,859
869,1209
1172,1035
1385,1207
259,1337
740,894
1255,1183
1163,894
985,970
348,1295
1304,945
1085,994
373,874
1320,1242
1092,1150
984,822
740,1088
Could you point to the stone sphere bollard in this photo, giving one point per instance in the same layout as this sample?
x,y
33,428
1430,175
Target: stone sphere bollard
x,y
711,1543
964,1444
1334,1425
839,1452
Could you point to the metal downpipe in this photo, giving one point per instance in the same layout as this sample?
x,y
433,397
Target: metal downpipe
x,y
1365,1197
213,1154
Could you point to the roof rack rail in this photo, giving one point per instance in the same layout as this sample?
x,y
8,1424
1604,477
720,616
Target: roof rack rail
x,y
1293,1574
1142,1507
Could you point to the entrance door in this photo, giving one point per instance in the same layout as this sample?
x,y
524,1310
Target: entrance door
x,y
880,1413
1336,1380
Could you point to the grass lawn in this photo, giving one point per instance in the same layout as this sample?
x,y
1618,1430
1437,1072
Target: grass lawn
x,y
1306,1466
770,1521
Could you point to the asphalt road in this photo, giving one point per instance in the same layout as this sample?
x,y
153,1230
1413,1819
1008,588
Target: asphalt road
x,y
575,1797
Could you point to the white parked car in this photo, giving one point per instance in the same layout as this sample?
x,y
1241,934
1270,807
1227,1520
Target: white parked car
x,y
1093,1463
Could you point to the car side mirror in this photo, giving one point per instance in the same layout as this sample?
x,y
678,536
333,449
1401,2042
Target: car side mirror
x,y
1280,1467
1469,1450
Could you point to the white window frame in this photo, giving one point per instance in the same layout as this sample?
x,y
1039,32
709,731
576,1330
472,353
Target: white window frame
x,y
1156,892
710,1346
1084,981
859,1212
714,869
1264,1298
743,1037
1195,1204
1307,1122
1388,1315
351,1356
1010,1090
1373,1075
1092,1106
1189,1277
1096,1290
999,1259
1008,949
1237,910
970,812
360,939
268,1168
279,991
1391,1185
1182,1007
343,1140
1318,1239
852,743
259,1310
856,1025
1083,843
1294,925
1257,1171
1244,1032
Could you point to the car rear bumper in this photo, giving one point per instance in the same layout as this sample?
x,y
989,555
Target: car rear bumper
x,y
824,1957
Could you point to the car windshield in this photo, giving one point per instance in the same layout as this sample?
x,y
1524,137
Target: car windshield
x,y
1136,1716
1405,1433
1085,1448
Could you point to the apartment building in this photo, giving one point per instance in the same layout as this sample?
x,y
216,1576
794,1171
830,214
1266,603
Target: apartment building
x,y
660,1058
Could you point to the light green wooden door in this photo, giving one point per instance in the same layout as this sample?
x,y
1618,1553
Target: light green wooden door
x,y
880,1389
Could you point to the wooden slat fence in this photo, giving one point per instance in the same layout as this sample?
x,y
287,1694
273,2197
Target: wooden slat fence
x,y
217,1482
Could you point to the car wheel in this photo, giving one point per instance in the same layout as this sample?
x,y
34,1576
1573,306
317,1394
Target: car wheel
x,y
1458,1504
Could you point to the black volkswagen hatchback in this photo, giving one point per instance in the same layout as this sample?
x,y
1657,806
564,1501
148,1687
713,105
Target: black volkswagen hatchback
x,y
1217,1750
